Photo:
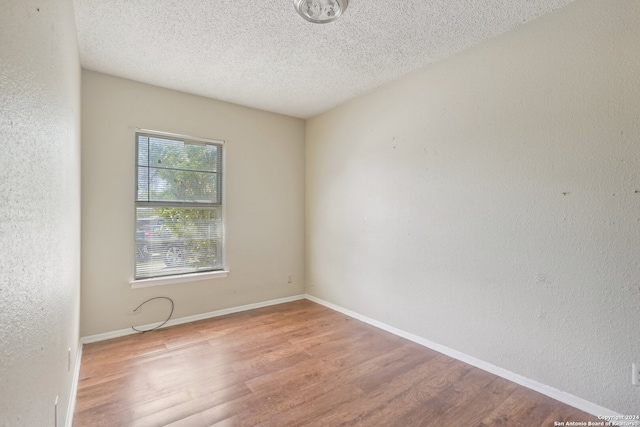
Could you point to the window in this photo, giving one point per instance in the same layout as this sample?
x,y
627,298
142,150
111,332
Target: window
x,y
179,225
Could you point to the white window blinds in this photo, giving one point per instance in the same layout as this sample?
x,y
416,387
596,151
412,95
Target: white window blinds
x,y
178,206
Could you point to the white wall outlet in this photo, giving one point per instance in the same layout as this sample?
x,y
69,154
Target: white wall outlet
x,y
635,374
290,280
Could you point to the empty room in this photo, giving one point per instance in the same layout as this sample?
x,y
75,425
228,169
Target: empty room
x,y
320,213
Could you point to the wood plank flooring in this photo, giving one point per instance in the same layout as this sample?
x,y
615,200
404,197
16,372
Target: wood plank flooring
x,y
294,364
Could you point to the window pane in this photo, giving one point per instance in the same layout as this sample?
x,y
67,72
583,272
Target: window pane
x,y
172,170
177,241
170,153
143,150
179,185
142,186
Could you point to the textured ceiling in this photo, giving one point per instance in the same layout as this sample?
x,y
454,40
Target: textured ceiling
x,y
261,54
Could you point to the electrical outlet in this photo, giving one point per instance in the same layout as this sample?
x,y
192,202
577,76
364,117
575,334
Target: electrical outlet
x,y
635,374
290,280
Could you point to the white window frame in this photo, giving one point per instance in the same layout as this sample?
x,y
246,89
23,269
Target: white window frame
x,y
190,276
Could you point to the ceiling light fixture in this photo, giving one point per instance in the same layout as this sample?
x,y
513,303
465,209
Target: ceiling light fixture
x,y
320,11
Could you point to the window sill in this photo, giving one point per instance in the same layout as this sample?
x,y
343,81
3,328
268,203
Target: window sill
x,y
180,278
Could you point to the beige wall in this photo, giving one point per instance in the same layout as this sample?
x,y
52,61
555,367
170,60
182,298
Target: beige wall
x,y
264,183
490,202
39,210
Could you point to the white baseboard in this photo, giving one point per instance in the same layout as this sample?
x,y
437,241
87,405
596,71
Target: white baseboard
x,y
554,393
123,332
74,386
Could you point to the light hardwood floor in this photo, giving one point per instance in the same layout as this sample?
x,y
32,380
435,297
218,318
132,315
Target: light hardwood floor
x,y
294,364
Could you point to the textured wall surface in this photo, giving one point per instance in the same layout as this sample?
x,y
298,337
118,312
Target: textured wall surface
x,y
491,203
39,209
264,183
